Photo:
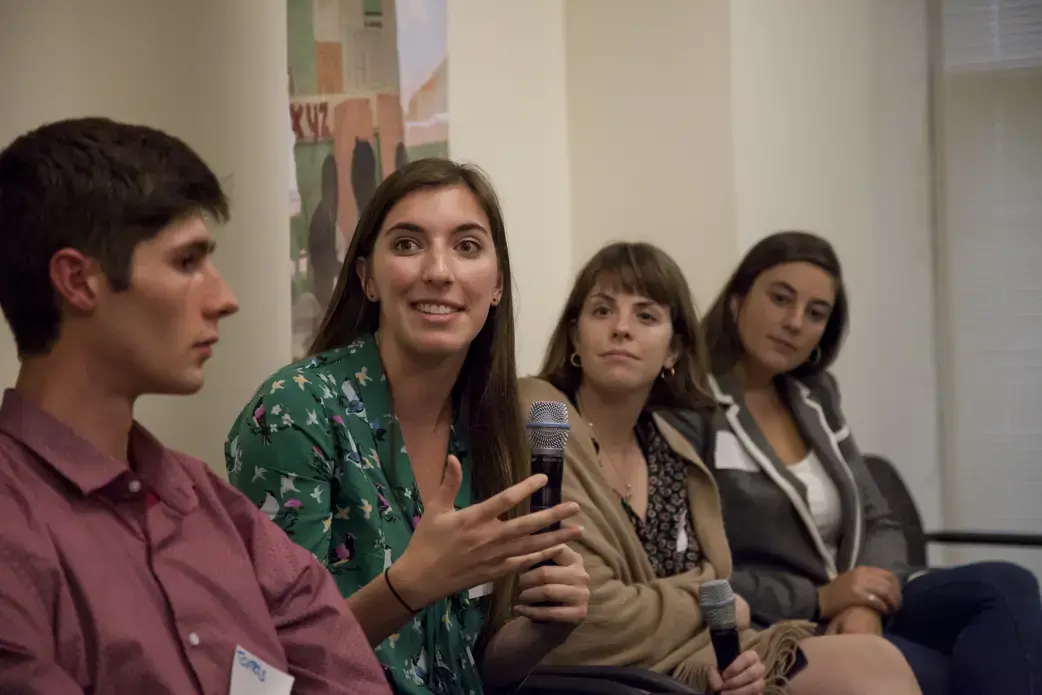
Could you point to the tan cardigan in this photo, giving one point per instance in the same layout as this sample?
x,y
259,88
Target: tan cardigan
x,y
636,618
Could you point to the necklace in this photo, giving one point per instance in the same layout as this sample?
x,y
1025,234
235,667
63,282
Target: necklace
x,y
602,454
618,474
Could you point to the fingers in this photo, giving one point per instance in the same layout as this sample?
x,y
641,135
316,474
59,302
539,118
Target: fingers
x,y
496,506
451,479
871,600
735,674
745,676
716,683
882,595
531,523
876,588
563,594
886,577
563,571
531,550
894,585
567,557
554,582
552,614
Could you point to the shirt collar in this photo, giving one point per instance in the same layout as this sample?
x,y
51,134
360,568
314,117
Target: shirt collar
x,y
88,469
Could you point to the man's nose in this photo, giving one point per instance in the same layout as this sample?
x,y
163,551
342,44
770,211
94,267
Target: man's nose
x,y
223,301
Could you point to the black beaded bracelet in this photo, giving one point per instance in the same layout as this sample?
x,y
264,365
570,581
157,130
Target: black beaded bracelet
x,y
387,578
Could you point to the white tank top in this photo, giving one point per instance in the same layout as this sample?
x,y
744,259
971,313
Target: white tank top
x,y
822,498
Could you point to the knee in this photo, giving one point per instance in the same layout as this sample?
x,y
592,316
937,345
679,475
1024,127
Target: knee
x,y
1008,578
861,656
876,654
853,665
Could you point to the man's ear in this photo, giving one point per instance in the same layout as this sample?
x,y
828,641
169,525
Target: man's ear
x,y
77,279
368,286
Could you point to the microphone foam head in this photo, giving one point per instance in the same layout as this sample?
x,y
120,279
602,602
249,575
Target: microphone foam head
x,y
547,425
716,599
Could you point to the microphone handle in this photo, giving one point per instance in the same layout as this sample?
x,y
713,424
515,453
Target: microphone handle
x,y
726,645
551,464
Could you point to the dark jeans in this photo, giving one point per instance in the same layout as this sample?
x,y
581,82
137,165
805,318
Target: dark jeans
x,y
972,629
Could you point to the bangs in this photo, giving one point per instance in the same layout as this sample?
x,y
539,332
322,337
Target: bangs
x,y
633,269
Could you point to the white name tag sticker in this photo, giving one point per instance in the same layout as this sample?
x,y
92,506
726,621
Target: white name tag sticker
x,y
730,455
252,676
479,591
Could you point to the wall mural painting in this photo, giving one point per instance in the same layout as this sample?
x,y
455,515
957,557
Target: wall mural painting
x,y
368,92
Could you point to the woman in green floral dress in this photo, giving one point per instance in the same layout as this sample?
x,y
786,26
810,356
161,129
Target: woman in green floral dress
x,y
396,453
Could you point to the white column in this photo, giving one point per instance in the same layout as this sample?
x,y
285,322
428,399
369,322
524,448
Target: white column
x,y
507,114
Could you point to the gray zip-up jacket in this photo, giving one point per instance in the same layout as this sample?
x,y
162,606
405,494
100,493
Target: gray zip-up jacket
x,y
780,558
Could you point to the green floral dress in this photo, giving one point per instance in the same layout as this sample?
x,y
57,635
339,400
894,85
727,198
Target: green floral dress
x,y
313,450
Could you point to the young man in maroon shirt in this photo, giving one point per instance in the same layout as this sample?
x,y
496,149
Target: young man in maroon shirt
x,y
126,567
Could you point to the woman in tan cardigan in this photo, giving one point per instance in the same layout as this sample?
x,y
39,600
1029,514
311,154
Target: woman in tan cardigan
x,y
627,345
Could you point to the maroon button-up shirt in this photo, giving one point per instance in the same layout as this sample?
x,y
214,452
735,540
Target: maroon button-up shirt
x,y
127,582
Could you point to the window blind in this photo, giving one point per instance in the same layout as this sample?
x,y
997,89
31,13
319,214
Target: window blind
x,y
990,240
992,34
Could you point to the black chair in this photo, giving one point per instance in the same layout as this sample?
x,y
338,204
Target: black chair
x,y
897,495
600,680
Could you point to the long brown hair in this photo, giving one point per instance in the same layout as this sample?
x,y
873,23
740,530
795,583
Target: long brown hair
x,y
721,324
485,393
644,269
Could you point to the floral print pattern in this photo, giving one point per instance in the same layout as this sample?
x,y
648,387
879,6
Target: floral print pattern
x,y
318,450
666,532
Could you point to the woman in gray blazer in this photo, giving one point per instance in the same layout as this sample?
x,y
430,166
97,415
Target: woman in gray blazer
x,y
812,536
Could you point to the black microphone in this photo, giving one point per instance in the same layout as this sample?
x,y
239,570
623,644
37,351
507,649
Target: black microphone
x,y
548,431
716,599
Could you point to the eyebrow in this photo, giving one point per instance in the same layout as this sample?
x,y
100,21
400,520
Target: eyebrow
x,y
644,302
786,286
202,246
407,226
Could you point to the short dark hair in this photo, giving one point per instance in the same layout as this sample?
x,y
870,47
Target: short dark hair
x,y
721,327
99,187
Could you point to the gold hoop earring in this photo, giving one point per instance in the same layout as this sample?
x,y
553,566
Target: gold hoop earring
x,y
815,356
574,360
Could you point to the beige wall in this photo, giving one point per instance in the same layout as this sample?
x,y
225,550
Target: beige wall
x,y
212,73
699,126
649,118
830,135
507,113
704,126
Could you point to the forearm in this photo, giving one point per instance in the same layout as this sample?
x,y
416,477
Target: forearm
x,y
513,652
379,611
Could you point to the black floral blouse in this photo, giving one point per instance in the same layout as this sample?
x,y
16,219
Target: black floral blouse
x,y
667,533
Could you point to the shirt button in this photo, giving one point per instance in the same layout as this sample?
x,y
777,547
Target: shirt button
x,y
193,639
135,486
